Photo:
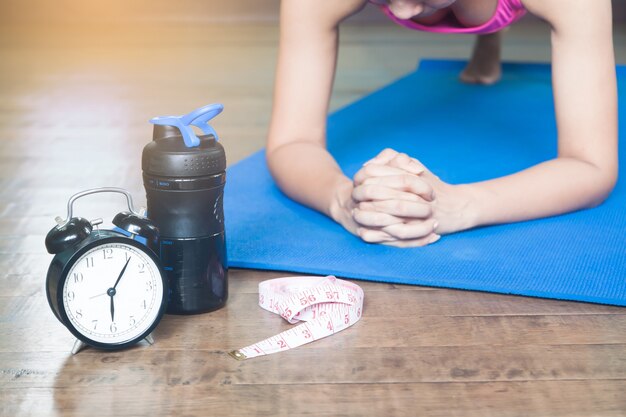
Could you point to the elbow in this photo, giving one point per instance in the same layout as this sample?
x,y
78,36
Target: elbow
x,y
603,186
279,162
596,178
272,163
610,182
271,156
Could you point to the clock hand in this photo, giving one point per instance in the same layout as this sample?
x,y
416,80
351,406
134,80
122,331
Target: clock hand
x,y
112,291
99,295
121,273
112,310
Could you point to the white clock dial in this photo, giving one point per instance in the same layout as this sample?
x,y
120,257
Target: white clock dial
x,y
107,309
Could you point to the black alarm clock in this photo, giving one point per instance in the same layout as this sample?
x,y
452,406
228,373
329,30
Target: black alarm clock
x,y
106,287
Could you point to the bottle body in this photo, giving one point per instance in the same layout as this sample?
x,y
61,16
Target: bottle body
x,y
185,191
190,218
197,272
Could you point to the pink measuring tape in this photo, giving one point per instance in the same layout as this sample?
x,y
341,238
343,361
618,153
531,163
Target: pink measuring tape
x,y
326,305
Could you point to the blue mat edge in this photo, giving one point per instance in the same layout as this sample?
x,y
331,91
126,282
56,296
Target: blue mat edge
x,y
419,282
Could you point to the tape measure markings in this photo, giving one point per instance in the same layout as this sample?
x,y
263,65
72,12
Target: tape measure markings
x,y
324,305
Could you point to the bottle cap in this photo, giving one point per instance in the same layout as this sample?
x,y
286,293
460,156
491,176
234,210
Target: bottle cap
x,y
176,150
199,118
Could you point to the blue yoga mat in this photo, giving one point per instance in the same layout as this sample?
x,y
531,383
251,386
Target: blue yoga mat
x,y
462,133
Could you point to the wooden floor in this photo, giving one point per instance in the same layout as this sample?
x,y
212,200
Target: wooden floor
x,y
74,108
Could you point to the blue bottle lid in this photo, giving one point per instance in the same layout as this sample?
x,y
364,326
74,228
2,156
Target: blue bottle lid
x,y
199,118
176,150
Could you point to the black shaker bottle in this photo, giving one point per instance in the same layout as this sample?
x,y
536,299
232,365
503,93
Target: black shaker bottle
x,y
184,177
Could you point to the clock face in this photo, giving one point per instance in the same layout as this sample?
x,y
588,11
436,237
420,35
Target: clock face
x,y
113,293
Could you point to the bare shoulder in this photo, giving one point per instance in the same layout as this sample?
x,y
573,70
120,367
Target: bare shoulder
x,y
559,13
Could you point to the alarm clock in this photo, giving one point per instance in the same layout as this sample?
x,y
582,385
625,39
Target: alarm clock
x,y
105,286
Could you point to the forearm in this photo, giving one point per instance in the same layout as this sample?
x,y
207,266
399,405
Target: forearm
x,y
554,187
307,173
585,97
296,153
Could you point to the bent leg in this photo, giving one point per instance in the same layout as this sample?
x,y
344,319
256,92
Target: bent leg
x,y
484,66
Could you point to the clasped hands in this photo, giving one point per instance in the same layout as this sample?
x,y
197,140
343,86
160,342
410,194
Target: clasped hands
x,y
397,201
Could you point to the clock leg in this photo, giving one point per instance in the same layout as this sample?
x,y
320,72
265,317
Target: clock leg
x,y
150,339
78,345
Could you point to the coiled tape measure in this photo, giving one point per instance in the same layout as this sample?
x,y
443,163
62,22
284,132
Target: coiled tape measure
x,y
325,305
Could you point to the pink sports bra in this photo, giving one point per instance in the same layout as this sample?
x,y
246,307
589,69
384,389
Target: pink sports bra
x,y
507,12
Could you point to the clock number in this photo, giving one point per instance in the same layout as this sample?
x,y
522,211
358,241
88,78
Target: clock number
x,y
149,286
113,327
108,253
142,268
78,277
126,256
89,261
132,320
71,296
95,324
79,314
145,306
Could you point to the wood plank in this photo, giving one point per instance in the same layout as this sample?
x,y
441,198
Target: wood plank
x,y
501,399
46,334
144,365
378,303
